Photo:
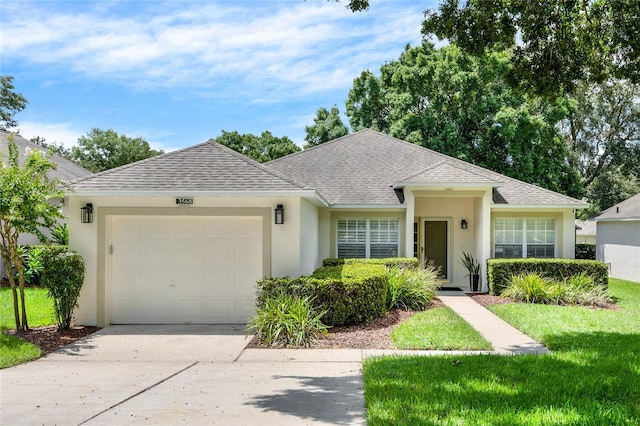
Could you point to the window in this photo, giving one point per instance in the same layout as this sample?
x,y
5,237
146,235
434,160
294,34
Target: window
x,y
363,238
516,238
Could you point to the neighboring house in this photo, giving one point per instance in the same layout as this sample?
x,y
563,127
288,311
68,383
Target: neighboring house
x,y
65,170
585,231
618,239
183,237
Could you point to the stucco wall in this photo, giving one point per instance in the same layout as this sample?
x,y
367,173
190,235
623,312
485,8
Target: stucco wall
x,y
618,244
309,220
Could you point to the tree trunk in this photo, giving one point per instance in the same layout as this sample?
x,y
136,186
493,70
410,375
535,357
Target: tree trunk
x,y
14,291
25,324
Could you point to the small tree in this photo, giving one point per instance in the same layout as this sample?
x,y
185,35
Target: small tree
x,y
64,279
26,192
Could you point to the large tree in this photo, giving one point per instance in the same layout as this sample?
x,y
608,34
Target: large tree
x,y
327,126
26,195
105,149
263,148
52,147
461,105
602,131
555,43
11,103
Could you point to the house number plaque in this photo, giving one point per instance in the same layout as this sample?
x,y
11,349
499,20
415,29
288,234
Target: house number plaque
x,y
184,201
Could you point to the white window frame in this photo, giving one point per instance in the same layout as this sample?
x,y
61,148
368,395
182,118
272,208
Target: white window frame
x,y
368,241
524,244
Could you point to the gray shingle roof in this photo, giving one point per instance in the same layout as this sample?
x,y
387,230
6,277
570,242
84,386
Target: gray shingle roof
x,y
66,170
361,168
587,227
205,167
445,173
628,209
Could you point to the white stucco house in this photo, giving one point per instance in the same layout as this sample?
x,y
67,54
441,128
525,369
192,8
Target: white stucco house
x,y
585,231
65,170
183,237
618,239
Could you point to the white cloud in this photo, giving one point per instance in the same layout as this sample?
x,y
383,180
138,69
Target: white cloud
x,y
288,49
63,133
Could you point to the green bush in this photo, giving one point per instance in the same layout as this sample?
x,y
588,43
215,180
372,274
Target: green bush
x,y
533,288
586,251
60,234
411,289
286,320
500,271
31,263
389,262
63,276
575,290
350,294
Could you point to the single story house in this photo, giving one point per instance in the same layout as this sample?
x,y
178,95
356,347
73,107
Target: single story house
x,y
65,170
618,239
585,231
183,237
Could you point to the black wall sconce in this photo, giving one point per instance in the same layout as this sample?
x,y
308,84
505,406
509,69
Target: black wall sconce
x,y
464,224
279,214
86,213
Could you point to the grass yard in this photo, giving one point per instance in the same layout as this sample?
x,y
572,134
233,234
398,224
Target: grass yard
x,y
14,351
591,378
438,328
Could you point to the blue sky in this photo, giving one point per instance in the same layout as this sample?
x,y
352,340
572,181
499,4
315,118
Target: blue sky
x,y
179,72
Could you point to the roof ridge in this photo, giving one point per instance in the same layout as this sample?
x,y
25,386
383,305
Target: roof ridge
x,y
315,147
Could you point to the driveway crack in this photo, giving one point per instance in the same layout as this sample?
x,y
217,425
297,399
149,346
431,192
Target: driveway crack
x,y
138,393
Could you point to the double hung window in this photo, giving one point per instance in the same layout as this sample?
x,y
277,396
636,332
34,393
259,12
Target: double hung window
x,y
368,237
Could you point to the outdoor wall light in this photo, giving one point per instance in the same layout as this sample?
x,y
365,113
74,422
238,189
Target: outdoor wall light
x,y
86,213
279,214
464,224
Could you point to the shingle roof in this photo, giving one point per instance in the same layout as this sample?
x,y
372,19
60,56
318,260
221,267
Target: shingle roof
x,y
587,227
361,168
445,173
205,167
628,209
66,170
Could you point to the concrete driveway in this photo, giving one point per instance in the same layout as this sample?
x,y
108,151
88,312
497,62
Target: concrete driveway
x,y
186,374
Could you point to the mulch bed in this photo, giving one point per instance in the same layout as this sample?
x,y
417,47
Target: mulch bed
x,y
49,339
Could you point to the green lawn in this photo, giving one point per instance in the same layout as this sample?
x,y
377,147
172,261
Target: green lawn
x,y
40,312
591,378
438,328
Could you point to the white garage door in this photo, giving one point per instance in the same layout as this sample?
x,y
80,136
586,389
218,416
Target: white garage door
x,y
184,269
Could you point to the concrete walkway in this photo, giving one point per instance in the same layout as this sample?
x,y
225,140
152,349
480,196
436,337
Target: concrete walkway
x,y
504,338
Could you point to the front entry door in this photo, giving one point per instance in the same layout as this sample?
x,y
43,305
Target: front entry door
x,y
435,245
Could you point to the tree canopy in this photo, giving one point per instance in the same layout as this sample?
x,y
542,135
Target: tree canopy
x,y
263,148
101,150
555,43
327,126
11,103
26,192
461,105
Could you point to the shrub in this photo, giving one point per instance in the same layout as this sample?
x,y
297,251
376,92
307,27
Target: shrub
x,y
411,289
533,288
286,320
63,276
576,290
60,234
350,294
31,263
586,251
389,262
500,271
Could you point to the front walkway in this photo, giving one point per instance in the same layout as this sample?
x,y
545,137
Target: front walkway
x,y
505,338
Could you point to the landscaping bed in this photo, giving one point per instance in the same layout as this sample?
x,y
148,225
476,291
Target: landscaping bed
x,y
49,339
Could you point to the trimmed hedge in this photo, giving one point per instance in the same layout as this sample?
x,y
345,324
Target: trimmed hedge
x,y
350,294
500,271
389,262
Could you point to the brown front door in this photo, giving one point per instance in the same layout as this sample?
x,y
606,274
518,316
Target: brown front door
x,y
435,244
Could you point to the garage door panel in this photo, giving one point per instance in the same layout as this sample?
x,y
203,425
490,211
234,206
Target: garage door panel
x,y
184,269
248,227
220,227
155,227
188,252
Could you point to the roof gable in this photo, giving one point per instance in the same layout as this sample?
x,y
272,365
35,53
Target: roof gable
x,y
209,166
361,169
627,209
65,170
